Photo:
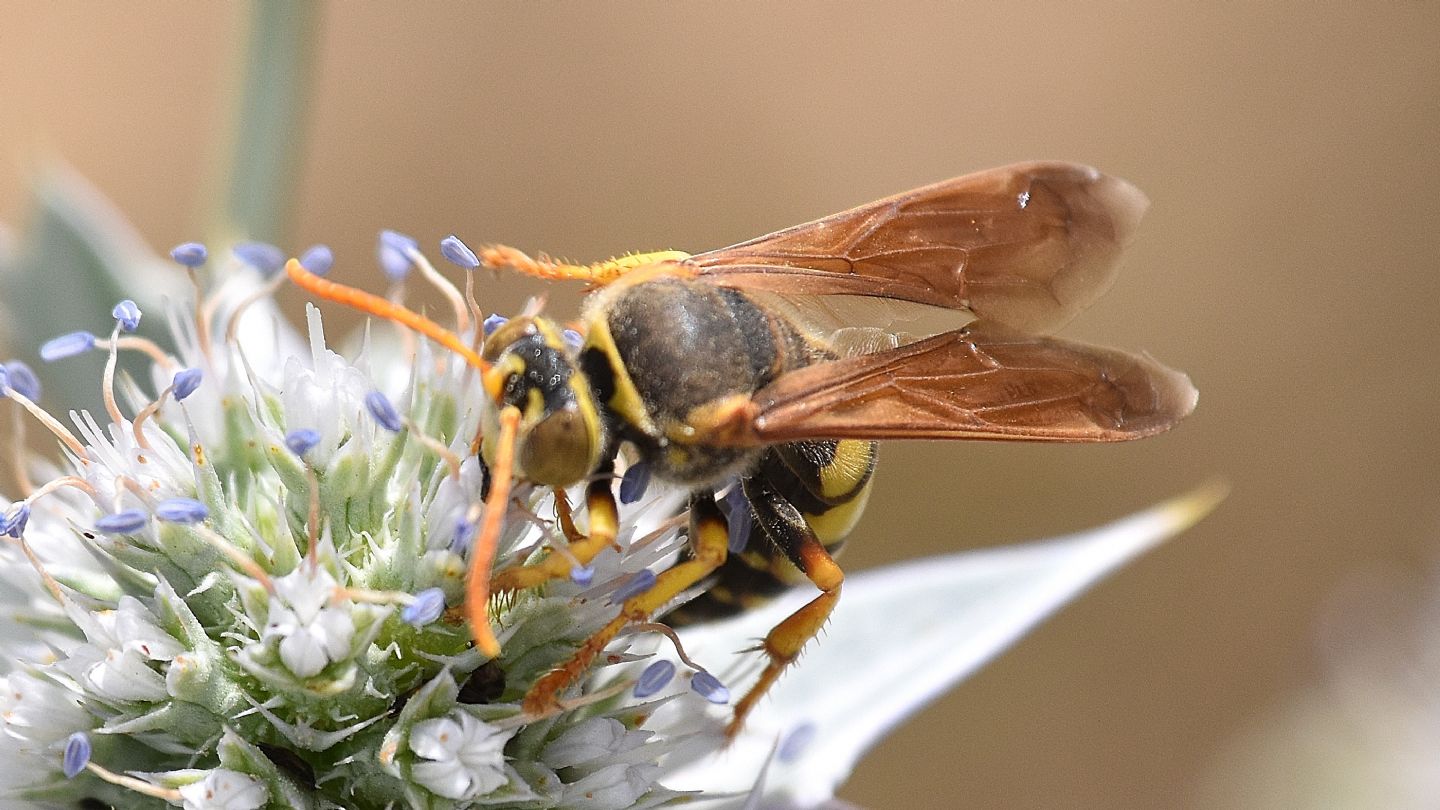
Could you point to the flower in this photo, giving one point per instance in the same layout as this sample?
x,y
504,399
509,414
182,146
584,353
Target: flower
x,y
460,756
243,592
224,790
303,625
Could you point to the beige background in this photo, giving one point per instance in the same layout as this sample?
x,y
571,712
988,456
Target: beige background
x,y
1288,263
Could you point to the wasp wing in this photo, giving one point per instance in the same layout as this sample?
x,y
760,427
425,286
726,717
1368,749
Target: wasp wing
x,y
1027,246
981,382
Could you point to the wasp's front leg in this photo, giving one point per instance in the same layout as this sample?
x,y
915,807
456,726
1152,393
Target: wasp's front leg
x,y
604,518
708,546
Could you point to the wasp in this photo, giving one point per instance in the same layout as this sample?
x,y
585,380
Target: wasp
x,y
701,366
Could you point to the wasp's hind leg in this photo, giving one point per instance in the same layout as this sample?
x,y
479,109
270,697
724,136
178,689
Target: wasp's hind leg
x,y
708,547
787,528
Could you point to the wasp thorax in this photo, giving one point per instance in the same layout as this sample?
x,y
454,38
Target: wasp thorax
x,y
560,436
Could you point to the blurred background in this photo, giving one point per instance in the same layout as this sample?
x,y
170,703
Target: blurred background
x,y
1288,263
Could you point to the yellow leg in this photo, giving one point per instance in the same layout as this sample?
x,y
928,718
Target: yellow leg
x,y
708,545
497,256
790,531
566,517
604,523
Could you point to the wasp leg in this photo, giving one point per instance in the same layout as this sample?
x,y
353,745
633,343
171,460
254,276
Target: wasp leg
x,y
708,542
787,528
566,517
604,523
497,256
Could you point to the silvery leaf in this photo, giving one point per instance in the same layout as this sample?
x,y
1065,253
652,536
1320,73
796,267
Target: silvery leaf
x,y
899,637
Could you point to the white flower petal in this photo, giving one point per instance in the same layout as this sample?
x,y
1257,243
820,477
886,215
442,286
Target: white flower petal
x,y
613,787
135,629
437,738
306,590
335,629
588,741
904,634
303,654
224,790
446,778
126,676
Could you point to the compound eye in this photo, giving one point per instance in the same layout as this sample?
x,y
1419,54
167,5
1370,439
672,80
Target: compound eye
x,y
513,393
506,336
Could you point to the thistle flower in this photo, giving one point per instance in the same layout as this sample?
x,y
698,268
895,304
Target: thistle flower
x,y
240,591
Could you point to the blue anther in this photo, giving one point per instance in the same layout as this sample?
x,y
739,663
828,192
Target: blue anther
x,y
186,380
458,253
655,677
380,408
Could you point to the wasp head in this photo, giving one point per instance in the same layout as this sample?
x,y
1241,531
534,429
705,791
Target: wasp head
x,y
561,435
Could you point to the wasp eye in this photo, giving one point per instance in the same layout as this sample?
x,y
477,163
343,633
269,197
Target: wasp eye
x,y
514,390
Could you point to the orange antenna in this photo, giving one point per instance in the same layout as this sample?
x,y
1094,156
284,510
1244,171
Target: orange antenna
x,y
482,552
381,308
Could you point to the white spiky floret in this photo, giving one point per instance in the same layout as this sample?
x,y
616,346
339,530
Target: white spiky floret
x,y
119,469
309,630
326,392
461,756
590,741
36,715
614,786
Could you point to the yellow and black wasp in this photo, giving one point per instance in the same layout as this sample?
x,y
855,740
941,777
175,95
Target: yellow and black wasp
x,y
691,361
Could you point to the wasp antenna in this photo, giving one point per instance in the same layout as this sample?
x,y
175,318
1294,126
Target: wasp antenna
x,y
482,551
381,308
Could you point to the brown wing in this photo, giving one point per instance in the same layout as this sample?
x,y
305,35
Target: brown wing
x,y
1027,246
980,382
